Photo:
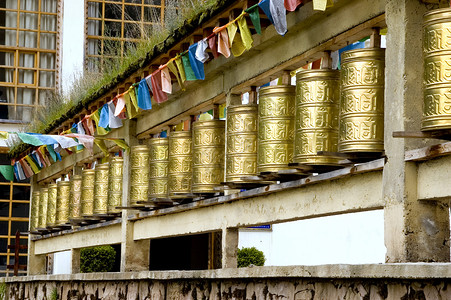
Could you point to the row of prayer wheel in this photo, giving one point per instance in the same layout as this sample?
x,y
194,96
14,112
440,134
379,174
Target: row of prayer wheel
x,y
96,192
328,110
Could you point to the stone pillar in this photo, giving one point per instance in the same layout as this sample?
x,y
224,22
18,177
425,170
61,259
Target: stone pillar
x,y
229,247
75,261
134,254
36,264
414,230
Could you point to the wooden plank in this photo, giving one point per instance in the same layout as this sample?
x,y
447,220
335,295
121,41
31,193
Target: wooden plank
x,y
429,152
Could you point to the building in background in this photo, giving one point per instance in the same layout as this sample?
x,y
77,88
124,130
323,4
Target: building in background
x,y
29,72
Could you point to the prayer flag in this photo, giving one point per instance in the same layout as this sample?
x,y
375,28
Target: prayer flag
x,y
96,117
189,73
246,35
213,46
19,170
322,4
134,101
223,43
121,143
80,128
196,65
265,6
173,69
279,16
4,135
102,146
86,140
144,96
7,172
114,122
235,40
30,139
291,5
255,17
120,105
104,116
201,51
179,63
52,152
158,93
166,82
131,111
32,164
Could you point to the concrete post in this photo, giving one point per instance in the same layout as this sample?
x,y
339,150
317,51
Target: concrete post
x,y
229,247
134,255
75,261
414,230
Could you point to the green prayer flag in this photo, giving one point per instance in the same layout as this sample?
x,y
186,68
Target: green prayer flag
x,y
7,172
29,139
52,153
189,73
255,17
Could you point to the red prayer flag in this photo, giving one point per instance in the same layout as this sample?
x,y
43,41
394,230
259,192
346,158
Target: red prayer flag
x,y
291,5
157,90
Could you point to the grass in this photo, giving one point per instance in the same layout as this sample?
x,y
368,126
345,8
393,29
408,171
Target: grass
x,y
90,86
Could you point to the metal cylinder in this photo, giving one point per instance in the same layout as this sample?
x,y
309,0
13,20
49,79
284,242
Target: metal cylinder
x,y
139,174
100,206
208,155
34,215
242,134
275,127
87,193
361,118
51,205
115,177
316,121
437,78
43,201
180,164
75,197
158,163
62,202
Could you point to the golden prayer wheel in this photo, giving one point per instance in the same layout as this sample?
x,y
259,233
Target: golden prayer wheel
x,y
158,163
62,202
34,216
242,135
361,119
115,177
316,121
43,201
75,197
437,78
276,127
180,164
100,205
139,174
51,205
208,155
87,192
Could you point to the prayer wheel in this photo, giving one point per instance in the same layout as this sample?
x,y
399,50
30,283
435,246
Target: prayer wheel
x,y
115,184
208,155
139,174
62,202
51,205
75,197
276,127
100,206
361,118
87,192
242,134
158,162
180,164
43,201
437,78
316,121
34,216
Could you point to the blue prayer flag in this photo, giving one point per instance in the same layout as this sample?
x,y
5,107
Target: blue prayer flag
x,y
196,65
144,97
104,116
264,5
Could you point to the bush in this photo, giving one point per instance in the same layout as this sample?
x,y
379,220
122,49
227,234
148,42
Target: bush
x,y
248,256
97,259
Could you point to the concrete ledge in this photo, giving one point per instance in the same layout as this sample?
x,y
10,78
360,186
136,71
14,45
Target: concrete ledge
x,y
336,271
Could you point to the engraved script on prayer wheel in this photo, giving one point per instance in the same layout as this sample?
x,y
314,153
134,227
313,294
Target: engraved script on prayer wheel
x,y
208,155
361,119
34,216
139,174
115,184
242,133
75,197
180,164
158,163
62,202
275,127
100,205
316,121
43,201
51,205
87,193
437,75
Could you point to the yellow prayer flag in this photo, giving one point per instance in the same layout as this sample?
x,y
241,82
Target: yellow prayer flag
x,y
246,35
102,146
121,143
32,164
236,44
4,135
173,69
179,127
205,117
322,4
131,111
179,63
222,109
134,100
95,117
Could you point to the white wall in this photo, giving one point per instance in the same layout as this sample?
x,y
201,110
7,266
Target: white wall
x,y
62,262
351,239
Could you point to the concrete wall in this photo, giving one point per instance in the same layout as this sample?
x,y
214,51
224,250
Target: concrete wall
x,y
349,282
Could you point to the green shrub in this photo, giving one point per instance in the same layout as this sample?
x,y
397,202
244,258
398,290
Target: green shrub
x,y
248,256
2,291
97,259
